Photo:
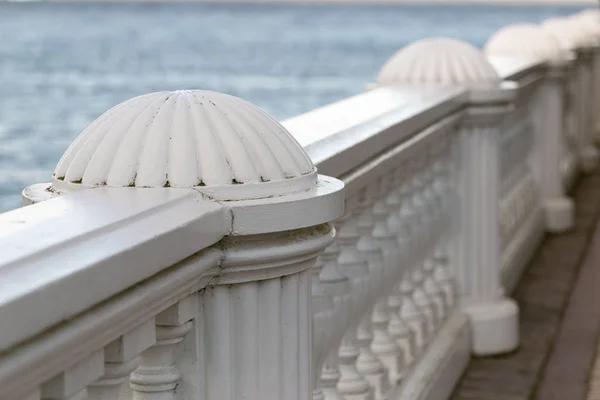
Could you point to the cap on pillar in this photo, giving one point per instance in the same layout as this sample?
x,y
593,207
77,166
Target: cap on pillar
x,y
589,23
221,145
441,62
592,14
569,33
528,40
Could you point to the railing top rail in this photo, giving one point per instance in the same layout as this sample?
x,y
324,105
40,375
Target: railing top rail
x,y
344,135
515,67
60,257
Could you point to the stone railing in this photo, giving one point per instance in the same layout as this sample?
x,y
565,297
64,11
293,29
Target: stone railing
x,y
186,247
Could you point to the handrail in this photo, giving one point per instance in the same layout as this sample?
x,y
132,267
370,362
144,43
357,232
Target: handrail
x,y
84,244
342,135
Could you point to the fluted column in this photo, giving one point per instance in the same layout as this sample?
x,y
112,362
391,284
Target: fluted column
x,y
558,208
494,318
257,316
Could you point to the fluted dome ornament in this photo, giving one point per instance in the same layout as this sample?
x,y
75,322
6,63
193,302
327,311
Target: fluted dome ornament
x,y
527,40
439,62
225,147
592,14
590,24
569,33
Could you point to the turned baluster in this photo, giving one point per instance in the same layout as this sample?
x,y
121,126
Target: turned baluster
x,y
367,363
384,346
157,376
120,360
71,384
352,385
336,285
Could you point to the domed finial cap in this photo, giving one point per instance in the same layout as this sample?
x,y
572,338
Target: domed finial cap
x,y
569,33
527,40
225,147
589,23
439,61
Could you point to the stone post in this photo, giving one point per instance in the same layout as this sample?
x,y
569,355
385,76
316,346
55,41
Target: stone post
x,y
442,62
559,209
494,317
572,37
252,324
588,153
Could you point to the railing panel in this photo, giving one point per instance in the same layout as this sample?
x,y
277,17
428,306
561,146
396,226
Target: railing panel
x,y
384,289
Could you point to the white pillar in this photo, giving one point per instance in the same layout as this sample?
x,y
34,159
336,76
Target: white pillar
x,y
588,154
494,317
257,331
558,208
595,107
253,335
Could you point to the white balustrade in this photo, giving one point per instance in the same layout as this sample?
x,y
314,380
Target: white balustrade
x,y
187,249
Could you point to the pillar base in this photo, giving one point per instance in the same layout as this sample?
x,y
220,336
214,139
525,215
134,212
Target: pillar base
x,y
589,159
494,327
559,214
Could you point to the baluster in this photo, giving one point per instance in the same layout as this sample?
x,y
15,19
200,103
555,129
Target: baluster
x,y
330,376
120,360
442,290
71,384
405,223
435,292
367,363
444,279
351,384
384,346
448,196
336,285
157,376
423,302
412,315
400,331
322,307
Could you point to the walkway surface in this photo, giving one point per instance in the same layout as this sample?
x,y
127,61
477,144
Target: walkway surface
x,y
559,299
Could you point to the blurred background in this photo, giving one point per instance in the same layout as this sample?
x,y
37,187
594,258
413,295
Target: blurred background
x,y
64,64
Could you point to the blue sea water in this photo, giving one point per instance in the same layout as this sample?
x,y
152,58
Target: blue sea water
x,y
64,64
